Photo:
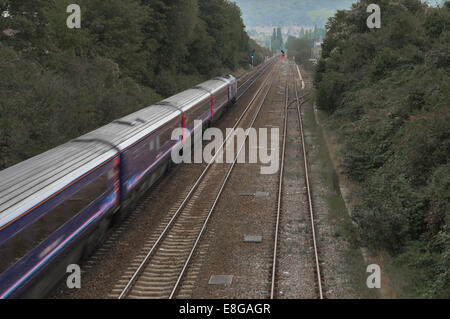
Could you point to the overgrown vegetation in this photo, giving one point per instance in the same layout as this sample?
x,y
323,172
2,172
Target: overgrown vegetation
x,y
388,91
300,47
57,83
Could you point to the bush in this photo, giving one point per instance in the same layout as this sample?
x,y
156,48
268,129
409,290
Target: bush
x,y
391,108
41,109
329,93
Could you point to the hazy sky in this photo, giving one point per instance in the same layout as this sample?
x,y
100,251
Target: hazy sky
x,y
288,12
297,12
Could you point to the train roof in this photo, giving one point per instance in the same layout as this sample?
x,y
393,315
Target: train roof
x,y
131,128
30,182
185,100
213,86
228,77
25,185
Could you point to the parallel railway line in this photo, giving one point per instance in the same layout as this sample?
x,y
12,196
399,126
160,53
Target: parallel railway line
x,y
245,83
308,188
279,211
252,77
280,186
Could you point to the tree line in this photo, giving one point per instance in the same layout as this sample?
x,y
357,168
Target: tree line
x,y
300,47
387,92
58,83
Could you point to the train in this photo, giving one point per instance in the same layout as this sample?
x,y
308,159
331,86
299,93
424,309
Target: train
x,y
56,207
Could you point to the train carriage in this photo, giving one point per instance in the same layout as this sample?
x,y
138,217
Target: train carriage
x,y
194,104
45,204
55,207
143,140
219,97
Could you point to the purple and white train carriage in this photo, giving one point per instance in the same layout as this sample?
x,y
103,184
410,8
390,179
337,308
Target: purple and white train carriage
x,y
57,206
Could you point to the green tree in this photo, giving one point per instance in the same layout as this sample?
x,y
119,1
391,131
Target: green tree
x,y
27,19
299,48
387,92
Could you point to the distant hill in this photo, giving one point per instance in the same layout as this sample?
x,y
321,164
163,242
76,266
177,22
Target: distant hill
x,y
288,12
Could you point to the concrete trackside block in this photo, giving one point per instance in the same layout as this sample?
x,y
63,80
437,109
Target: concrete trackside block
x,y
221,280
247,194
252,239
256,194
261,194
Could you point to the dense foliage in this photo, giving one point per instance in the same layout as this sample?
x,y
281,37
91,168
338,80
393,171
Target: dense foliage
x,y
57,83
388,91
288,12
300,47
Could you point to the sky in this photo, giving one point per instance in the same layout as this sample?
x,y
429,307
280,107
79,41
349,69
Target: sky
x,y
294,12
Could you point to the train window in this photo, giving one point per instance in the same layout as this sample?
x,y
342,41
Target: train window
x,y
197,112
165,137
17,247
192,114
221,97
111,175
152,145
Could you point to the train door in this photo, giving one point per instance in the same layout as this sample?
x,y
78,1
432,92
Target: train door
x,y
212,106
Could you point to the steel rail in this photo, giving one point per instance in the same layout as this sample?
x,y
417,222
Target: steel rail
x,y
280,186
311,211
224,182
254,76
252,73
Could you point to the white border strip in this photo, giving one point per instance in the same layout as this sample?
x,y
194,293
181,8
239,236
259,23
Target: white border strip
x,y
300,76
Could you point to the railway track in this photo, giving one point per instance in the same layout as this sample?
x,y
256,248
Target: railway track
x,y
280,187
244,84
317,270
250,79
159,270
308,188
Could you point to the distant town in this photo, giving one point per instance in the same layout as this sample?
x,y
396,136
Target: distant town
x,y
263,36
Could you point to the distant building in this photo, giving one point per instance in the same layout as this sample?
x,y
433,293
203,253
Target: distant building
x,y
316,51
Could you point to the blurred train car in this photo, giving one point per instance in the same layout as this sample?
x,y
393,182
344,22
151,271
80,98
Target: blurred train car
x,y
55,208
